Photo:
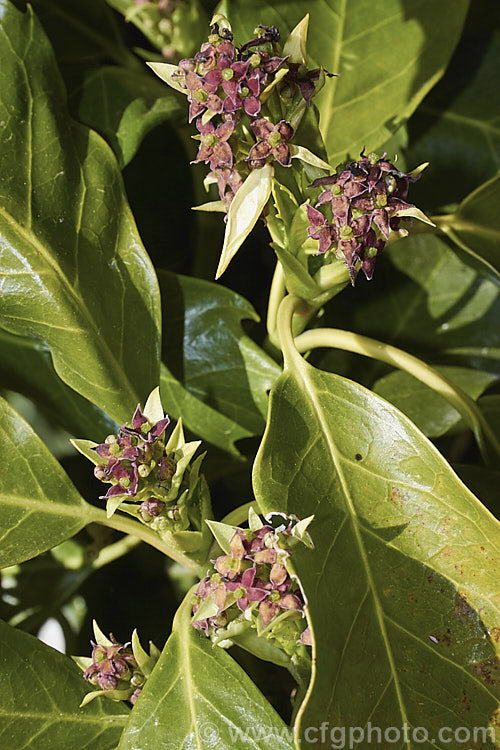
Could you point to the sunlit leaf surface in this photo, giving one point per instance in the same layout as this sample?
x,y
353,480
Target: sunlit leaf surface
x,y
73,271
403,582
40,699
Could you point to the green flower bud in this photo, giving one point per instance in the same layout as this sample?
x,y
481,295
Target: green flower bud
x,y
380,201
336,190
345,232
165,26
137,679
227,74
144,470
371,252
115,449
209,140
391,183
200,95
274,139
110,439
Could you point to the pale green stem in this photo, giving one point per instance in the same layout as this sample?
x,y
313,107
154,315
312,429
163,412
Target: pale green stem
x,y
114,551
289,307
135,528
276,294
353,342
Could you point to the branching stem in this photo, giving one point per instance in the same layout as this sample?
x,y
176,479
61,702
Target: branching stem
x,y
135,528
353,342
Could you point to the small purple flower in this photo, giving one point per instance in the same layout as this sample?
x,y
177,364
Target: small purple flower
x,y
228,178
126,481
273,140
142,429
214,147
320,230
249,591
110,665
270,607
305,80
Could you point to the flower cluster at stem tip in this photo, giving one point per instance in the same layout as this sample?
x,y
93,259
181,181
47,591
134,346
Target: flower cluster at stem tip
x,y
251,588
234,91
118,670
354,216
150,474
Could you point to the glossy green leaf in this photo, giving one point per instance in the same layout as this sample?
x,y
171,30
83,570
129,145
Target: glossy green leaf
x,y
475,228
402,584
206,349
83,32
124,106
26,367
177,30
427,409
425,300
457,126
39,506
215,704
69,243
388,55
40,707
204,421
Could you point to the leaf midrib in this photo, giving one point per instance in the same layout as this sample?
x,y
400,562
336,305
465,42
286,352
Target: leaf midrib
x,y
47,506
58,717
301,367
71,293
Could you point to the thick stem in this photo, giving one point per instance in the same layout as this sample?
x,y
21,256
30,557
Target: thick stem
x,y
289,307
135,528
276,294
353,342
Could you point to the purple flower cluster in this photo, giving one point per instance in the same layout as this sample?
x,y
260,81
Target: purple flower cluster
x,y
355,215
227,81
224,79
252,576
115,668
134,459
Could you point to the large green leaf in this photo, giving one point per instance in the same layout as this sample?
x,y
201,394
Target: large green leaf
x,y
198,697
402,584
124,105
426,301
204,421
39,506
26,367
39,708
206,349
388,54
83,32
457,126
475,229
72,267
427,409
